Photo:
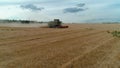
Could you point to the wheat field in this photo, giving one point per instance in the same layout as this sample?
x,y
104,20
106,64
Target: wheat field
x,y
79,46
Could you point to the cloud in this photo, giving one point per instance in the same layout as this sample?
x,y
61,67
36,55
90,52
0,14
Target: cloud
x,y
31,7
80,5
73,10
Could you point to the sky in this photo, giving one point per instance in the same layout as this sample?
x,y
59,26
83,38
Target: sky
x,y
68,11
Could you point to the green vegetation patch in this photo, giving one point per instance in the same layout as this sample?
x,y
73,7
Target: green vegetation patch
x,y
116,33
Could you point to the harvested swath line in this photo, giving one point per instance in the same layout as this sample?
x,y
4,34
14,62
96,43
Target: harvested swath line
x,y
70,38
40,38
49,41
58,38
27,35
39,34
29,32
41,54
72,62
112,60
68,54
17,44
100,55
29,46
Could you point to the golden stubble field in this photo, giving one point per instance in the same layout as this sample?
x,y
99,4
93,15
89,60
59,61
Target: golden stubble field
x,y
79,46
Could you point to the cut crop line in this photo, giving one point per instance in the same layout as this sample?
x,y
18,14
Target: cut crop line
x,y
76,58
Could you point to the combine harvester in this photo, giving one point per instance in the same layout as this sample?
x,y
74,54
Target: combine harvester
x,y
56,24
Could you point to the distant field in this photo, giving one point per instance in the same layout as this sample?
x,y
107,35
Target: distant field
x,y
79,46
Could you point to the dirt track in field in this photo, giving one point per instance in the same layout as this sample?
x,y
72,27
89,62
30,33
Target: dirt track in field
x,y
79,46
